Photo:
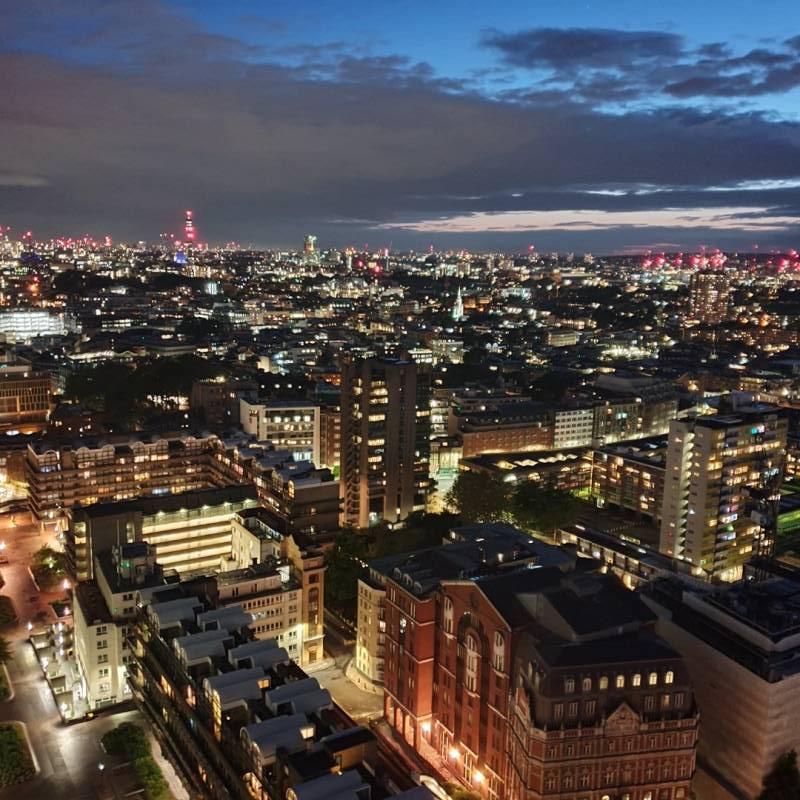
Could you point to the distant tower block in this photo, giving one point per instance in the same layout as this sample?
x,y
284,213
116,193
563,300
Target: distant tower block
x,y
310,245
457,312
188,227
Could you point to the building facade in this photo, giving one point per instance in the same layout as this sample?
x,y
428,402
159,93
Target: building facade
x,y
385,450
714,469
292,426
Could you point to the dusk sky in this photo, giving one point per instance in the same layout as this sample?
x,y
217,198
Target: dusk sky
x,y
601,126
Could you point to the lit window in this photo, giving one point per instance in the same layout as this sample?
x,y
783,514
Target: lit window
x,y
620,681
652,679
669,677
637,679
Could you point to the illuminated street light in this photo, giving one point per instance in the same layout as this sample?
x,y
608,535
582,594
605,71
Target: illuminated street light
x,y
454,754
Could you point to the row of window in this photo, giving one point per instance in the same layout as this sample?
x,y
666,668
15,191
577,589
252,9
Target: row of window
x,y
619,682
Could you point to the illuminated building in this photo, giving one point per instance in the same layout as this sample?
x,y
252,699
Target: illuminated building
x,y
532,679
61,475
24,397
243,718
25,324
191,531
630,477
709,297
295,612
188,228
385,449
103,607
292,426
715,466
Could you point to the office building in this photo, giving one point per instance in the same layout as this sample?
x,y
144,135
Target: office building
x,y
709,296
385,445
716,467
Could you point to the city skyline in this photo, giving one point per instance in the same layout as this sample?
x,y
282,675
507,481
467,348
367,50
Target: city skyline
x,y
579,128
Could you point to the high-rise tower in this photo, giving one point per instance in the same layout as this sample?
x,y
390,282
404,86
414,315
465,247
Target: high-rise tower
x,y
188,227
717,470
385,440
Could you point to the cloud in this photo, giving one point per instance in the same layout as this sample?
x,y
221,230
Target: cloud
x,y
266,144
573,48
10,180
709,219
599,65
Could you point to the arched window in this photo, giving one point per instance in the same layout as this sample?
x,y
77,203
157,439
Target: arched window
x,y
499,653
669,677
603,683
620,681
471,671
447,615
586,685
637,679
652,678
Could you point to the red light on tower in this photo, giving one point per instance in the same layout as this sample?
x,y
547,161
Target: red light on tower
x,y
188,227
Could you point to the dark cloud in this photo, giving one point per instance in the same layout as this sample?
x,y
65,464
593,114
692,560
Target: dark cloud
x,y
604,66
267,145
573,48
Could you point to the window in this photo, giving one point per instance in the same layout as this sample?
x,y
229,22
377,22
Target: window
x,y
669,677
652,678
498,656
620,681
603,683
572,710
590,707
586,685
569,685
637,679
471,677
558,711
665,700
649,703
678,699
447,615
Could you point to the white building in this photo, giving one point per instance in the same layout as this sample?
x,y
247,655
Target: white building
x,y
292,426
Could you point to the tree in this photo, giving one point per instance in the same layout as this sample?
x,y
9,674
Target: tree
x,y
345,561
480,497
6,651
543,509
782,782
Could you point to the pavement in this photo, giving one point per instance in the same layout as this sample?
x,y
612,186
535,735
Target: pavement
x,y
360,705
67,756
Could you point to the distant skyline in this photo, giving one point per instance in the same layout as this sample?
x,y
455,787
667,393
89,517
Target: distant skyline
x,y
600,126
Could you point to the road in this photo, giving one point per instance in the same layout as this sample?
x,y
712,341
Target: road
x,y
67,755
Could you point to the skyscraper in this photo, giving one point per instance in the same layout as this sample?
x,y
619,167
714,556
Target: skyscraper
x,y
716,469
385,447
188,227
709,293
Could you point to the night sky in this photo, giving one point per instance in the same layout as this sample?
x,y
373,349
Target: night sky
x,y
602,126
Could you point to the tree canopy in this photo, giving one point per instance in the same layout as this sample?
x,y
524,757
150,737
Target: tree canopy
x,y
480,497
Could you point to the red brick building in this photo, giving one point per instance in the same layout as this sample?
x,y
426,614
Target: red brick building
x,y
535,683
